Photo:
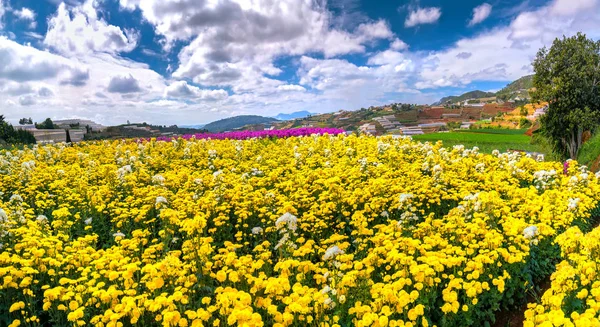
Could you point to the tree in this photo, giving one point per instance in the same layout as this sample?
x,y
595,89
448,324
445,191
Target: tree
x,y
8,134
46,124
567,76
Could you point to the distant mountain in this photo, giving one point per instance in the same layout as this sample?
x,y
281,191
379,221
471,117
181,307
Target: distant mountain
x,y
193,126
230,123
519,88
466,96
294,115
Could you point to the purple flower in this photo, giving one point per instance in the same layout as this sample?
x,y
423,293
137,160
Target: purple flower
x,y
566,167
242,135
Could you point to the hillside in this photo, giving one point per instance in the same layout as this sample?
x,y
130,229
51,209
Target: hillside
x,y
230,123
519,88
294,115
465,96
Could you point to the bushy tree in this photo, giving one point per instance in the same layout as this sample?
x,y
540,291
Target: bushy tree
x,y
11,135
46,124
567,76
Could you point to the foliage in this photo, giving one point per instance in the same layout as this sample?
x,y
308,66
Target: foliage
x,y
568,77
572,297
231,123
524,123
519,88
46,124
590,151
465,96
523,111
25,121
10,135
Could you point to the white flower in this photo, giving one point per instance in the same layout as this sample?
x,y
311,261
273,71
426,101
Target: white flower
x,y
332,252
161,199
573,203
290,221
118,234
540,157
217,173
121,172
480,167
530,232
282,241
88,221
257,230
437,169
495,153
212,153
28,165
326,289
385,214
382,146
16,197
404,197
158,179
3,216
42,219
174,240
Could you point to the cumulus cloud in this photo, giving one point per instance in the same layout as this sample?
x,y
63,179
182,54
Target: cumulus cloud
x,y
502,53
480,13
2,12
235,43
182,89
24,13
27,100
398,45
421,16
291,88
124,85
571,7
24,63
79,30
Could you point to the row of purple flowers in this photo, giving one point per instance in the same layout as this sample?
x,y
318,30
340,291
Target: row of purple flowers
x,y
242,135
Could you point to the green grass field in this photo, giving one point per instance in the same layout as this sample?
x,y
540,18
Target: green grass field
x,y
487,140
590,151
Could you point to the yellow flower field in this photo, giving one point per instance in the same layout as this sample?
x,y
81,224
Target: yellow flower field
x,y
305,231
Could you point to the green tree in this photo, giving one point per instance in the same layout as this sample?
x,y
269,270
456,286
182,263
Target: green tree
x,y
11,135
46,124
524,123
567,76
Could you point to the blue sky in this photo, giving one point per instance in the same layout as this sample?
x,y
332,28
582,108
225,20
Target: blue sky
x,y
194,61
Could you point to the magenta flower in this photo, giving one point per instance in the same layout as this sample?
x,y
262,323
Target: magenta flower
x,y
566,167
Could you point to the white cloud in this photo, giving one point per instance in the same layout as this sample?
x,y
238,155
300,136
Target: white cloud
x,y
480,13
571,7
235,43
123,85
25,14
291,88
398,45
181,89
423,16
505,53
2,12
79,30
